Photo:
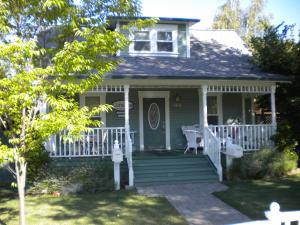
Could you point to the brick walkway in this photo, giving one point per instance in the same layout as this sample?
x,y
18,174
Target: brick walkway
x,y
196,203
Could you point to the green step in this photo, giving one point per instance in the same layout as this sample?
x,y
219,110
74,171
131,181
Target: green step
x,y
163,166
177,176
174,180
172,170
171,157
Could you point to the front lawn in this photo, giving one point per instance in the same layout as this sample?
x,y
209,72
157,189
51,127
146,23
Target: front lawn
x,y
106,208
254,197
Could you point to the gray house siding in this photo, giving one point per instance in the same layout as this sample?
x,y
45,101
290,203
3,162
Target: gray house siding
x,y
187,114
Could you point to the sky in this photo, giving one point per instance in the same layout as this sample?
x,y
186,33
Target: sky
x,y
280,10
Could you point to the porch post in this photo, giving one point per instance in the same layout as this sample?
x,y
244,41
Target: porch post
x,y
126,100
128,143
205,123
273,105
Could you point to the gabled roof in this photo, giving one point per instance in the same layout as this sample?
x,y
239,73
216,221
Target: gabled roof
x,y
215,54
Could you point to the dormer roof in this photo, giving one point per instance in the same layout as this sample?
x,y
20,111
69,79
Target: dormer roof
x,y
176,20
215,54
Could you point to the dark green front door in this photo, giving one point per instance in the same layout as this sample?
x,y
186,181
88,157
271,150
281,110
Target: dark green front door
x,y
154,123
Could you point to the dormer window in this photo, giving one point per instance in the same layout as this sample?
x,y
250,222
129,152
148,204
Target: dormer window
x,y
141,41
160,40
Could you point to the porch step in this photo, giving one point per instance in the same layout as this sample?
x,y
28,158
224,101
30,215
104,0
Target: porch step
x,y
172,169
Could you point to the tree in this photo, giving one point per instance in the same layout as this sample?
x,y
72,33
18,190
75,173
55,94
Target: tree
x,y
277,52
254,19
229,16
83,46
247,23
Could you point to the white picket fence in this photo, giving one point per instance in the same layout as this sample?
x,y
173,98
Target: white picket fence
x,y
96,142
276,217
250,137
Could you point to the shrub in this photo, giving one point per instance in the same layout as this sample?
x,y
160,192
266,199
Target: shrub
x,y
85,178
262,164
36,161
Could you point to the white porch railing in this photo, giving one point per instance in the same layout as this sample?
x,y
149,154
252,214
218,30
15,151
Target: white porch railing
x,y
250,137
212,147
96,142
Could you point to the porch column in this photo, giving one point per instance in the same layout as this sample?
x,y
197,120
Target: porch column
x,y
204,107
273,105
126,100
128,143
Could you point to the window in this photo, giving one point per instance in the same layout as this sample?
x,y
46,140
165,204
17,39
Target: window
x,y
94,100
91,102
212,110
159,40
164,41
141,41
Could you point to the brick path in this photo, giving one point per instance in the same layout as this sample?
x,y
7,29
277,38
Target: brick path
x,y
196,203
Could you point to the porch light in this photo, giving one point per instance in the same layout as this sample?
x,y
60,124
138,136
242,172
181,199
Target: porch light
x,y
177,101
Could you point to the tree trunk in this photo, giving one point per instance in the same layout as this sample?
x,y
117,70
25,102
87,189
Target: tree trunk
x,y
21,181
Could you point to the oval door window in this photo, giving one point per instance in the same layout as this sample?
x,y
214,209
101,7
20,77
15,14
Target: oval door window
x,y
153,116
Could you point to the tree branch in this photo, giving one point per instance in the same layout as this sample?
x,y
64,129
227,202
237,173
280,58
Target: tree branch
x,y
11,170
3,122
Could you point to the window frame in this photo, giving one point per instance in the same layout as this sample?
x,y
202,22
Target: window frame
x,y
219,113
141,40
164,41
102,97
153,33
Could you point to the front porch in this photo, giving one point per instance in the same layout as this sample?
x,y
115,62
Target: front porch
x,y
150,118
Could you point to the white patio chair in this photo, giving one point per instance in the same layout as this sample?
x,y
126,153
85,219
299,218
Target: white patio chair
x,y
191,138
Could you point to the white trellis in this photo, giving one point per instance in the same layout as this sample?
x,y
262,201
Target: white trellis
x,y
223,88
108,89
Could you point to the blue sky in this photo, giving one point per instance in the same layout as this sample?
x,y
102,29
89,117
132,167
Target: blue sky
x,y
280,10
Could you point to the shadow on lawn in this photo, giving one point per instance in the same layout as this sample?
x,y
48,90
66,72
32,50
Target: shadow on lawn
x,y
122,207
6,195
115,207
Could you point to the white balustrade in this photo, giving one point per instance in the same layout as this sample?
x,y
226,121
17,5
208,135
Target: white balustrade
x,y
96,142
250,137
212,147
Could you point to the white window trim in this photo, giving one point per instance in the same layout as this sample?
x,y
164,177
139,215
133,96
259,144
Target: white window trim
x,y
153,41
220,107
102,97
154,94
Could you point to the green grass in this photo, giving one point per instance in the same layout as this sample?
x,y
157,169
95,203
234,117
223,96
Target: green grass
x,y
254,197
118,208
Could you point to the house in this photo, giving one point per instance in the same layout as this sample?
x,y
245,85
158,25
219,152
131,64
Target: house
x,y
172,76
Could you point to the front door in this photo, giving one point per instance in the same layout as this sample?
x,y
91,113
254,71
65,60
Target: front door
x,y
154,123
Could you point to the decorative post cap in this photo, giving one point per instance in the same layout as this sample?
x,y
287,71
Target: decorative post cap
x,y
274,207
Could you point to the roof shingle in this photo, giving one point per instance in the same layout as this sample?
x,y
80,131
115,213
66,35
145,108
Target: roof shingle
x,y
215,54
